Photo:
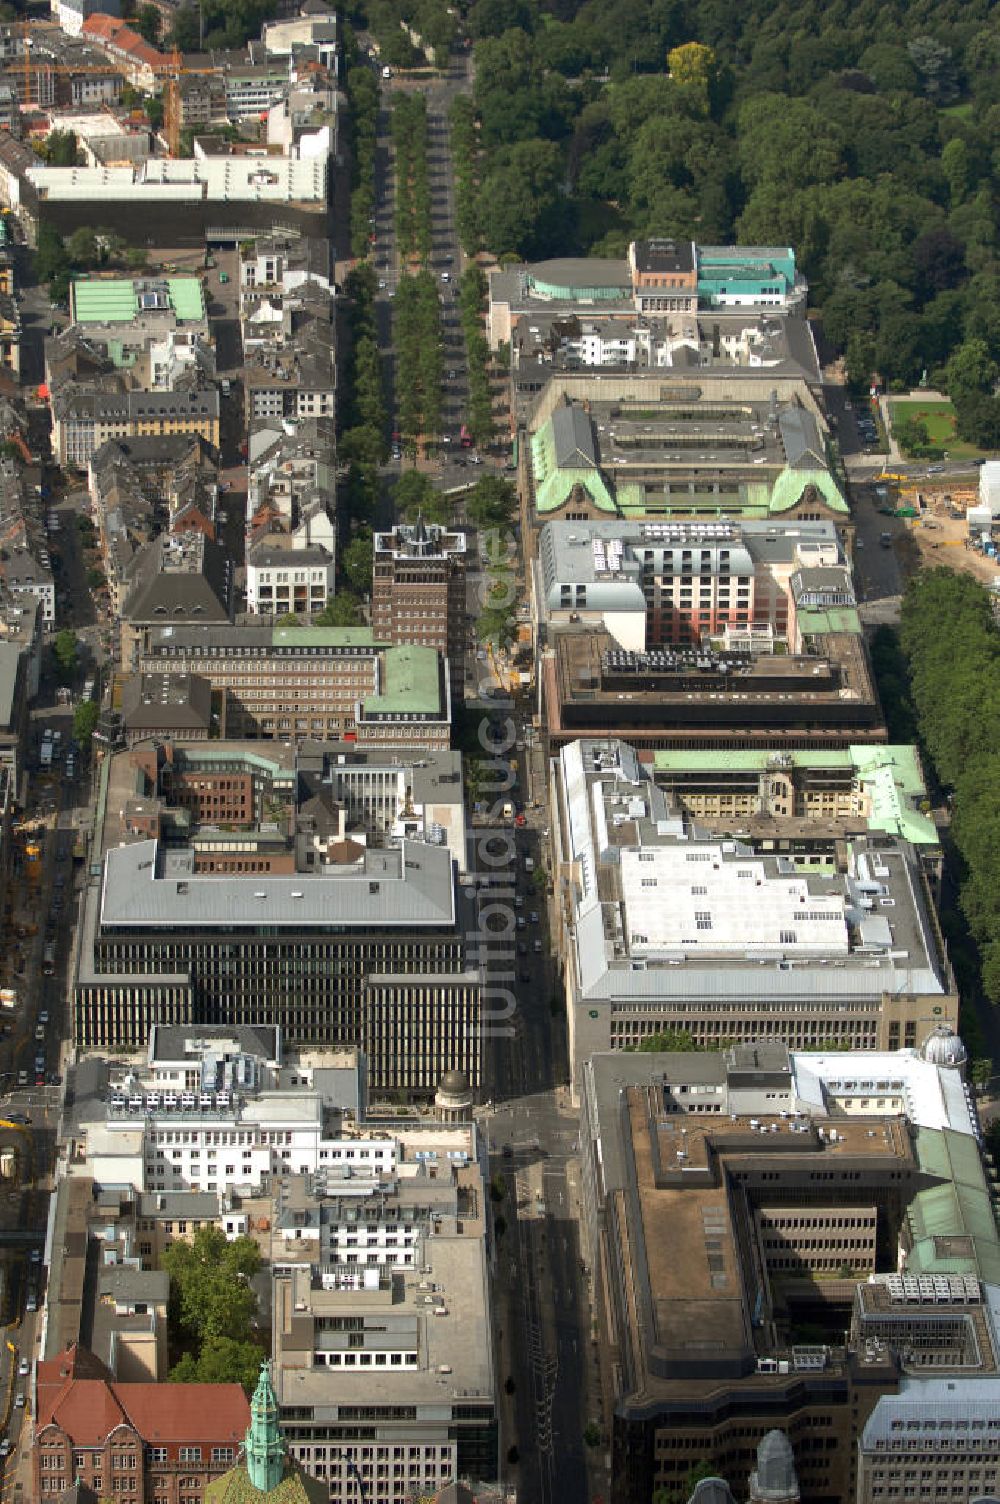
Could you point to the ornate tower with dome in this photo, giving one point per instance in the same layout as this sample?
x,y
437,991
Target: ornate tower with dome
x,y
774,1480
265,1472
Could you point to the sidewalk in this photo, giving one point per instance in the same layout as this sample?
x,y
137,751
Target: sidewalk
x,y
883,406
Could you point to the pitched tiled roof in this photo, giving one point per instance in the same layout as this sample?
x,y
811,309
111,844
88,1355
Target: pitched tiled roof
x,y
113,31
77,1394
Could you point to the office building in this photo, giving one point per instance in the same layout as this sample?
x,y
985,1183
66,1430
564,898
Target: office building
x,y
83,419
179,577
728,1194
710,343
418,588
141,307
277,264
178,707
247,807
221,188
836,941
297,921
296,682
713,696
290,371
658,276
381,1315
799,795
283,579
224,1119
372,954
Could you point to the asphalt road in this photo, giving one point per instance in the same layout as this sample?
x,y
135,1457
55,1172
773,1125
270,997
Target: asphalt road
x,y
876,568
540,1294
52,902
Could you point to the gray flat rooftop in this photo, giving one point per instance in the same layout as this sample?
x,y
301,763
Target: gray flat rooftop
x,y
146,888
191,1042
460,1342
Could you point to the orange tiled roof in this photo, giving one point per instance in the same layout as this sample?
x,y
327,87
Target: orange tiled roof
x,y
77,1394
110,29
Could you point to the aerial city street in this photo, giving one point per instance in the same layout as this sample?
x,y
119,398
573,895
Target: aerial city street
x,y
499,526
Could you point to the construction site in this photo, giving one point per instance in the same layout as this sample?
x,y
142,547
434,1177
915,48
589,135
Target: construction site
x,y
938,526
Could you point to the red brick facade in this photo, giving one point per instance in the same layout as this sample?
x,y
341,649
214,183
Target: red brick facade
x,y
146,1443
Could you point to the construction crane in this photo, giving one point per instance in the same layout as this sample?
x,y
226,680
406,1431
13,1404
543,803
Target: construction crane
x,y
55,69
172,65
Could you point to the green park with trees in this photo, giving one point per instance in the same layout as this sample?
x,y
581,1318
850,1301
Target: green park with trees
x,y
58,260
217,24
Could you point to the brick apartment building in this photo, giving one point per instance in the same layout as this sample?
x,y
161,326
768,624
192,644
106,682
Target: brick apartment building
x,y
148,1443
418,589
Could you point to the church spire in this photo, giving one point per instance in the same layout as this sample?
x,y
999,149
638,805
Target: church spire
x,y
265,1445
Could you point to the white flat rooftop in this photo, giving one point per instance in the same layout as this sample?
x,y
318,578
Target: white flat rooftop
x,y
692,898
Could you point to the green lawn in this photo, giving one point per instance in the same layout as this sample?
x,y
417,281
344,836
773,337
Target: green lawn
x,y
940,420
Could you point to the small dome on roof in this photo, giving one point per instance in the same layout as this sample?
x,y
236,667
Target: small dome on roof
x,y
454,1083
943,1047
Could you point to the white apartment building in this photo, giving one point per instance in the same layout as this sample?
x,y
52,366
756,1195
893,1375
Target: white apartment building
x,y
273,264
283,580
683,583
215,1145
27,575
218,1141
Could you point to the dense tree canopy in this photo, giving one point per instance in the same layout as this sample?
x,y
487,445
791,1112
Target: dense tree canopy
x,y
953,654
210,1292
210,1299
